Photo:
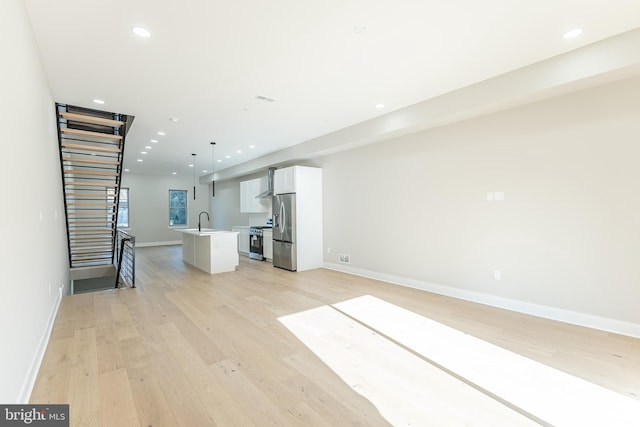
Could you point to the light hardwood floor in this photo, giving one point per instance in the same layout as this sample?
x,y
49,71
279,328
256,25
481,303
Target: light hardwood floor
x,y
186,348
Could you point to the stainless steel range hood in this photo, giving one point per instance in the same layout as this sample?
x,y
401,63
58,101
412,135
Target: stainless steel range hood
x,y
269,192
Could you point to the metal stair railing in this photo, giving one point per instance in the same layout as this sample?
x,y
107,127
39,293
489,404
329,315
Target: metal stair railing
x,y
125,259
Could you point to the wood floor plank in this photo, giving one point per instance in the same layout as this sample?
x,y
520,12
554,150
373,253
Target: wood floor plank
x,y
52,386
83,389
116,400
223,409
152,406
231,319
317,385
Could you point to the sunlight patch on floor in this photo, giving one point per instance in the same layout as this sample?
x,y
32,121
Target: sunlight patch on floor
x,y
446,377
406,390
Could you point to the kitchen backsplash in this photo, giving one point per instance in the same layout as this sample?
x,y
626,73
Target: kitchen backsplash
x,y
258,218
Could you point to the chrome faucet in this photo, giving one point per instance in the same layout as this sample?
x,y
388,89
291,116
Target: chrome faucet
x,y
199,216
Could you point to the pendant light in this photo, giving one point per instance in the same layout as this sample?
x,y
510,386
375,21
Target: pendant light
x,y
194,175
213,165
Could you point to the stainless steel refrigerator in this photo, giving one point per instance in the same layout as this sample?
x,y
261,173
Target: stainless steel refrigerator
x,y
284,231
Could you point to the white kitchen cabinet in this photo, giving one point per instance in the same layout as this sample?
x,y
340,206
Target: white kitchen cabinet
x,y
248,192
284,180
243,238
213,251
244,191
267,244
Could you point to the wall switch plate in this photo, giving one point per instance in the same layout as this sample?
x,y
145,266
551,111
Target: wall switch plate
x,y
490,196
497,275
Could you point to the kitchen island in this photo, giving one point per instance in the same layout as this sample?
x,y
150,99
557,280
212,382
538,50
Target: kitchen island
x,y
210,250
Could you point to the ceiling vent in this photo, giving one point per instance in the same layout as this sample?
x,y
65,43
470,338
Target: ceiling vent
x,y
265,98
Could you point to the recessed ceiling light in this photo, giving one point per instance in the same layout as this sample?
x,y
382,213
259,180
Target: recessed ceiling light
x,y
143,152
126,170
155,141
161,133
139,160
252,146
174,119
174,173
141,32
148,147
219,160
379,106
190,166
572,33
239,151
98,101
227,156
205,171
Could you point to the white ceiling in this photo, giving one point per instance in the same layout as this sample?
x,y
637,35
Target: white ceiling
x,y
207,60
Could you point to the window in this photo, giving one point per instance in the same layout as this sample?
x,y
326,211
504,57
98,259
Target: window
x,y
178,207
123,207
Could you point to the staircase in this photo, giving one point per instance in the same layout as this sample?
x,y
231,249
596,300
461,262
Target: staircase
x,y
91,151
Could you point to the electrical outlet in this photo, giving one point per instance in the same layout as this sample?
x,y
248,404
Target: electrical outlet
x,y
344,258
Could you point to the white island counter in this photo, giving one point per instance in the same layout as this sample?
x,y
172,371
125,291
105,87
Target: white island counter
x,y
210,250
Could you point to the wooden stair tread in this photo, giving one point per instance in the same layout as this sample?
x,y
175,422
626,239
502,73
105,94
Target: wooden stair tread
x,y
89,215
77,221
91,204
91,119
90,133
96,161
89,250
100,195
85,231
89,172
90,147
91,184
88,258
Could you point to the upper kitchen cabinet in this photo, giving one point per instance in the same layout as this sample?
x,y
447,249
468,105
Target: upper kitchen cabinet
x,y
284,180
248,192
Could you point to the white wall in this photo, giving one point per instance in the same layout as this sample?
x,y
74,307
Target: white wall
x,y
566,236
225,206
34,261
149,205
413,209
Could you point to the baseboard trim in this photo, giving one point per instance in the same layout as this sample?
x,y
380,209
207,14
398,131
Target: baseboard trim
x,y
30,381
169,243
547,312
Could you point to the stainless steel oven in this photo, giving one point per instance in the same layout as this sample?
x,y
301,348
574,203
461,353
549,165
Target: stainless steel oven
x,y
255,242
